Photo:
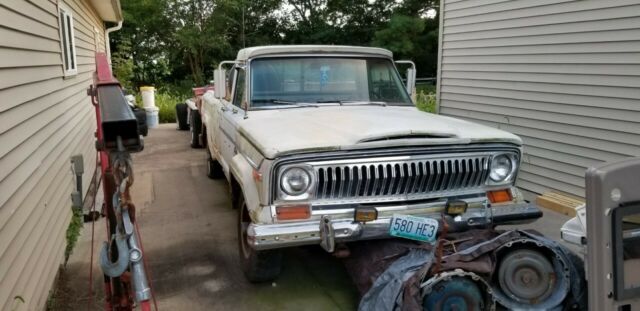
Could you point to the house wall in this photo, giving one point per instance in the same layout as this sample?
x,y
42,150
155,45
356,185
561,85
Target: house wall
x,y
45,118
562,74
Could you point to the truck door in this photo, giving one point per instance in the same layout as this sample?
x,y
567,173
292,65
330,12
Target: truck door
x,y
232,113
211,110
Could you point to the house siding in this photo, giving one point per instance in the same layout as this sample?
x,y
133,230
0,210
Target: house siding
x,y
564,75
45,118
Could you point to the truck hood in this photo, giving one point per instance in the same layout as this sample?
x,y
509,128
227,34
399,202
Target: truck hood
x,y
285,131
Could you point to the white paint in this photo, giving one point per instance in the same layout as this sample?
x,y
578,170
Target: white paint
x,y
255,51
284,131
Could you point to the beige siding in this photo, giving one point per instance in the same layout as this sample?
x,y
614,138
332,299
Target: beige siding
x,y
45,118
562,74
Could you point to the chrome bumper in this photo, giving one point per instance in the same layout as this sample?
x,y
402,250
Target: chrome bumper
x,y
331,227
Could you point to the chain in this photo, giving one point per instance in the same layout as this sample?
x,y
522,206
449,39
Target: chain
x,y
440,248
123,176
130,264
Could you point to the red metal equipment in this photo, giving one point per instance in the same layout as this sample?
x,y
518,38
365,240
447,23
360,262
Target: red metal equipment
x,y
125,280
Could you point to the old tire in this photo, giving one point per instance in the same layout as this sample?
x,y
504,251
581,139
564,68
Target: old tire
x,y
258,266
214,169
141,118
196,128
181,116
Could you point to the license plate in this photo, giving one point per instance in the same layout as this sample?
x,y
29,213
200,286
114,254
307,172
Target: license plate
x,y
413,228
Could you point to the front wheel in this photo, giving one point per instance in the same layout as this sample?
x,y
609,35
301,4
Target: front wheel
x,y
258,266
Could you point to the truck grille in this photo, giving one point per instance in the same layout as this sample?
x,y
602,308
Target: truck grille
x,y
415,178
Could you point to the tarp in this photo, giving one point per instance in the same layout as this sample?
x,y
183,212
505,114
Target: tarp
x,y
388,273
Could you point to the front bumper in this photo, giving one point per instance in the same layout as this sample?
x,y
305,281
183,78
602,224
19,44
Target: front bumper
x,y
332,227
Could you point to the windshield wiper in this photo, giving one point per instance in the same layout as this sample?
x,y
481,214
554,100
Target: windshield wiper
x,y
363,103
339,102
286,102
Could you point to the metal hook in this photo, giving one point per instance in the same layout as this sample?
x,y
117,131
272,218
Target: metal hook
x,y
115,269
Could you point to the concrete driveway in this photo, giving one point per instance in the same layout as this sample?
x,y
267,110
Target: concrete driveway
x,y
189,235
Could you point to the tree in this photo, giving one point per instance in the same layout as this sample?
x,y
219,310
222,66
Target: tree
x,y
179,42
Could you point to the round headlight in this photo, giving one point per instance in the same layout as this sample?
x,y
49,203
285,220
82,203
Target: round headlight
x,y
501,168
295,181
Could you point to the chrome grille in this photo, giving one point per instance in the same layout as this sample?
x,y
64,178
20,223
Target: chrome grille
x,y
388,178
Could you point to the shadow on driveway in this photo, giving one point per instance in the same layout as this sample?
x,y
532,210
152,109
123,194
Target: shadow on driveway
x,y
189,233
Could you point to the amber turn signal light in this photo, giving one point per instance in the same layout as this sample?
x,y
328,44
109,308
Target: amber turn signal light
x,y
499,196
365,214
292,212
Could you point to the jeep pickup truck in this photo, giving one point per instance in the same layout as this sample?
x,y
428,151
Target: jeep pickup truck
x,y
323,145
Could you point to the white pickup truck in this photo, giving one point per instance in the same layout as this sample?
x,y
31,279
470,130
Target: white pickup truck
x,y
323,145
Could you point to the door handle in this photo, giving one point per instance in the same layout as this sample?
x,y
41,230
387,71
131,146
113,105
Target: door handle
x,y
223,108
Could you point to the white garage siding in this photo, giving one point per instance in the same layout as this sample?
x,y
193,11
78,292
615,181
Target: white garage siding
x,y
562,74
45,118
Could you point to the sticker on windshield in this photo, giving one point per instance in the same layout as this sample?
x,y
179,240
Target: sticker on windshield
x,y
324,75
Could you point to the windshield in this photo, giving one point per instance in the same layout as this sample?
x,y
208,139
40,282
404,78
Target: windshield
x,y
325,80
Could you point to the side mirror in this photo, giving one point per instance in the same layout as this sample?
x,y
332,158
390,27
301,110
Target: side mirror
x,y
220,83
411,81
411,76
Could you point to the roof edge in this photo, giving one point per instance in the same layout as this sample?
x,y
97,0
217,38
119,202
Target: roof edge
x,y
256,51
108,10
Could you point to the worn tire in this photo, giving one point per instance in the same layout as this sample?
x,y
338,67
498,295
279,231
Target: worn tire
x,y
196,129
214,169
181,116
141,118
258,266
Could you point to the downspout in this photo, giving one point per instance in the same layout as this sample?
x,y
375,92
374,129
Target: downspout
x,y
108,43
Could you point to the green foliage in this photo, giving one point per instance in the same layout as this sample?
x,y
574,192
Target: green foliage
x,y
166,102
426,101
400,33
73,232
427,88
123,64
179,42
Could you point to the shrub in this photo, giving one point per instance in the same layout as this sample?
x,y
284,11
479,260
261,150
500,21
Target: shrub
x,y
426,101
167,104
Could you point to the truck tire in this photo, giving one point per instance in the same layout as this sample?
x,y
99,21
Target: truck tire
x,y
196,128
258,266
141,118
181,116
214,169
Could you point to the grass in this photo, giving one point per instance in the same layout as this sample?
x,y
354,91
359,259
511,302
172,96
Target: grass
x,y
426,98
73,232
167,104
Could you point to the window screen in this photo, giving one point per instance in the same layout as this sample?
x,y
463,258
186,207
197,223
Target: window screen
x,y
67,42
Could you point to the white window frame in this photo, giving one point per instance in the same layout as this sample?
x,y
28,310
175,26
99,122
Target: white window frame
x,y
67,40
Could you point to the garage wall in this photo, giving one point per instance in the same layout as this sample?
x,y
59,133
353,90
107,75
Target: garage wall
x,y
562,74
45,118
